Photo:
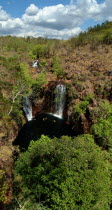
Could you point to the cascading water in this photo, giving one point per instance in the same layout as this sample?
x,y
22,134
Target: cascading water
x,y
27,107
60,97
35,64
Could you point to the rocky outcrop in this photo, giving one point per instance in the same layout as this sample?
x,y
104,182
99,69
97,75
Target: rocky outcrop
x,y
85,124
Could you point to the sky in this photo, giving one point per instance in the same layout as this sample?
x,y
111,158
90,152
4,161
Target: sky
x,y
59,19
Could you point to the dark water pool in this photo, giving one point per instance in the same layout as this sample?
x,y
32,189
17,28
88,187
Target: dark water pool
x,y
46,124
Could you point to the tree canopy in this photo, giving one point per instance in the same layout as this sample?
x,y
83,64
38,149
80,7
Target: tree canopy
x,y
65,173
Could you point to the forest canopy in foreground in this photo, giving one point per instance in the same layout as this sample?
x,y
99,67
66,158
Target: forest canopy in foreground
x,y
65,173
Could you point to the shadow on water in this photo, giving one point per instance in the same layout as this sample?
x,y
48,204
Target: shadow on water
x,y
46,124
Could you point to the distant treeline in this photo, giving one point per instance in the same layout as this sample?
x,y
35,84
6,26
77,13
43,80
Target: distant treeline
x,y
99,34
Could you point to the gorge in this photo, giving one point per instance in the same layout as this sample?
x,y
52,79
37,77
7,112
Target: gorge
x,y
50,124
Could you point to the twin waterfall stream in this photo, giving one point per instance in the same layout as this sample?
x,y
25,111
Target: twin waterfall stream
x,y
59,100
27,107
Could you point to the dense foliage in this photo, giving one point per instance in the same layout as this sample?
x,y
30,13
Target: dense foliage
x,y
65,173
102,128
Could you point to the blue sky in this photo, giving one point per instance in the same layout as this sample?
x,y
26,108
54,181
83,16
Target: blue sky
x,y
17,7
51,18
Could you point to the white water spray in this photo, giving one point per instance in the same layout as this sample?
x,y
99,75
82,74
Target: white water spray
x,y
27,107
60,97
35,64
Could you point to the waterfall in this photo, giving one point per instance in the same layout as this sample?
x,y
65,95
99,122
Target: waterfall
x,y
60,100
27,107
35,64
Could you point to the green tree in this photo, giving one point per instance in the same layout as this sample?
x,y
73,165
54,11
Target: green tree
x,y
15,82
65,173
57,67
39,83
102,130
80,108
101,116
22,85
107,39
40,50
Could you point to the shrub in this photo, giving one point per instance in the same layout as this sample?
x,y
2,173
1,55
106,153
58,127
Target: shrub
x,y
102,127
57,67
80,108
39,82
40,51
3,187
107,38
102,130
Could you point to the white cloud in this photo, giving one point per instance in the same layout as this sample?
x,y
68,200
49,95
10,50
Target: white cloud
x,y
108,10
90,9
62,34
3,15
55,21
32,10
12,24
